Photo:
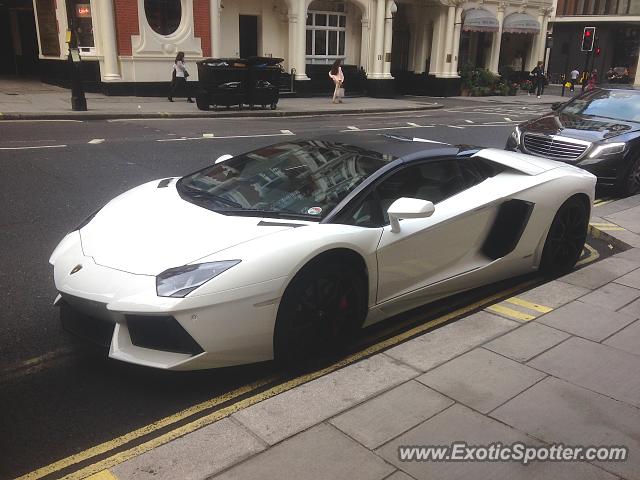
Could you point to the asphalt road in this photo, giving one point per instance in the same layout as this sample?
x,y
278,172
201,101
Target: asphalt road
x,y
58,397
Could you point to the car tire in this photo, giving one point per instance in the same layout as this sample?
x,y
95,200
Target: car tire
x,y
566,238
321,310
629,184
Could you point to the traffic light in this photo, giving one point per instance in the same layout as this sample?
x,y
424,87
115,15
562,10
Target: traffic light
x,y
588,36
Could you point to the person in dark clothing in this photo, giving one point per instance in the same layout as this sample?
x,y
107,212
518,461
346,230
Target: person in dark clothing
x,y
179,79
537,80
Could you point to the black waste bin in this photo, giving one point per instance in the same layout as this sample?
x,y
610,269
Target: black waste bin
x,y
263,82
222,81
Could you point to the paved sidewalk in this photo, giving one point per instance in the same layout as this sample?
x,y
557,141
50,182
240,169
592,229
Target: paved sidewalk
x,y
570,375
32,100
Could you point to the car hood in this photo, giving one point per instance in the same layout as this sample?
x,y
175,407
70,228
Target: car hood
x,y
149,229
590,129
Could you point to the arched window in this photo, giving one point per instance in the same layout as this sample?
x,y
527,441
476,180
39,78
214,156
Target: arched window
x,y
164,16
326,31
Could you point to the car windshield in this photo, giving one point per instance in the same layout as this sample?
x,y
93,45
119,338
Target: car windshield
x,y
615,104
295,180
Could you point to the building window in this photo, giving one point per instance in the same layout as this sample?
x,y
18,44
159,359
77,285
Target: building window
x,y
326,33
164,16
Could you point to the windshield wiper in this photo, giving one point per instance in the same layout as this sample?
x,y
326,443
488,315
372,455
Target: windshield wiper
x,y
250,212
206,196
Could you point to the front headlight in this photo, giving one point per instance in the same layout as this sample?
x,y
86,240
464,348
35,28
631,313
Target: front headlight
x,y
516,134
179,281
607,149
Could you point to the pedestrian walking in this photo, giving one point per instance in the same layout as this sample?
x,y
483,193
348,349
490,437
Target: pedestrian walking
x,y
574,78
338,79
179,79
537,80
593,80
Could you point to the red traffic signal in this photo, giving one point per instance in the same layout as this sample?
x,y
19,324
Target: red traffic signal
x,y
588,36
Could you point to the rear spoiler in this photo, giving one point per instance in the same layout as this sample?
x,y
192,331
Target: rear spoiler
x,y
527,164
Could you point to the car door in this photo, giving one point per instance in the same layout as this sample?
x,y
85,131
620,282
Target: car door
x,y
427,251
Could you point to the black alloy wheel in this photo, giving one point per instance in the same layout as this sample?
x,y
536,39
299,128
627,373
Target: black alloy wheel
x,y
630,184
320,311
566,237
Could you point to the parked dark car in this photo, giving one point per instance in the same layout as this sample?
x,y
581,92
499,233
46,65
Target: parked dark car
x,y
598,131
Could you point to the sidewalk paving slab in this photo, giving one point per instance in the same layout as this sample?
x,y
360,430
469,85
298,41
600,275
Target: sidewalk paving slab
x,y
612,296
627,339
321,453
203,453
481,379
556,411
601,273
286,414
378,420
631,279
554,294
460,423
587,321
526,342
598,367
428,351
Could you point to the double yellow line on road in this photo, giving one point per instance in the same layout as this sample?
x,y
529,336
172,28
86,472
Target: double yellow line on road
x,y
260,395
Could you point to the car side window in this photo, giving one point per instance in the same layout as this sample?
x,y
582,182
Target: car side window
x,y
475,170
433,181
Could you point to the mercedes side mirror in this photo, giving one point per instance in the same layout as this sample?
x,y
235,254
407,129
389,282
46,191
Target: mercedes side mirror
x,y
408,208
222,158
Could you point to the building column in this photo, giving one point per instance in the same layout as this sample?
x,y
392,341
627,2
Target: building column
x,y
390,10
448,41
301,39
378,34
636,80
542,41
535,53
437,52
494,58
215,28
291,48
109,46
456,41
364,44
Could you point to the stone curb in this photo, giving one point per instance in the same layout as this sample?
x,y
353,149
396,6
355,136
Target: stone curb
x,y
204,114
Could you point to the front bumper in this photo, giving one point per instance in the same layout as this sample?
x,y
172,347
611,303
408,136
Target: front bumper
x,y
608,170
230,327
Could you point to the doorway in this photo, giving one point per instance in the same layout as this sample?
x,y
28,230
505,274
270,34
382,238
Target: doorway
x,y
248,36
18,39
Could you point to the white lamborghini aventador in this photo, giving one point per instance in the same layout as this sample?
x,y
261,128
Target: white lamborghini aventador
x,y
291,248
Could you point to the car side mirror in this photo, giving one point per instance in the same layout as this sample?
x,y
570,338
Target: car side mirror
x,y
408,208
556,106
222,158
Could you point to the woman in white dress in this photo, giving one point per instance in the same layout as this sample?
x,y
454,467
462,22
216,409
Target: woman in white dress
x,y
338,79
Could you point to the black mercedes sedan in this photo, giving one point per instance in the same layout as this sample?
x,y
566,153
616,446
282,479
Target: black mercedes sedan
x,y
598,131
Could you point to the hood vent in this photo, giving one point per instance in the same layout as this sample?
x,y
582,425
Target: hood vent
x,y
262,223
164,183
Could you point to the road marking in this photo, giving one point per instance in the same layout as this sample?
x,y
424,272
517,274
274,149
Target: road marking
x,y
531,306
96,141
32,148
507,119
103,475
592,257
607,227
352,127
470,121
386,128
413,124
602,201
122,456
33,121
284,133
142,431
208,135
455,126
510,312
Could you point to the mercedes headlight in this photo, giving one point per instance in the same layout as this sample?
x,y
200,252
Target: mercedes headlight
x,y
180,281
607,149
